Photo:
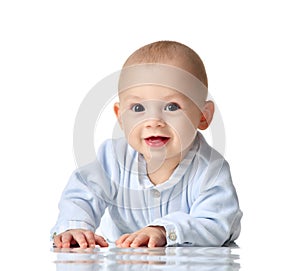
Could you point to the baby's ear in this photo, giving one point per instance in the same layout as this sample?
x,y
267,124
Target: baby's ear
x,y
207,114
118,113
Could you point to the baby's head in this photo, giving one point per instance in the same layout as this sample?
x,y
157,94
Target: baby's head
x,y
171,53
163,91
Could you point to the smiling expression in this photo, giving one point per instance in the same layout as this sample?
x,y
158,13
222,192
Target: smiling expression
x,y
158,121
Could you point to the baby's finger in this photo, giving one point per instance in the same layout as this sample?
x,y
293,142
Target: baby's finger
x,y
140,240
127,242
154,241
90,239
57,241
66,239
79,237
122,238
100,241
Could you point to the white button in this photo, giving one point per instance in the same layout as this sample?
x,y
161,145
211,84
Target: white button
x,y
172,236
155,193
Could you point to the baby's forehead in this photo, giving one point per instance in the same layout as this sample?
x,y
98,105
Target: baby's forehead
x,y
151,91
170,80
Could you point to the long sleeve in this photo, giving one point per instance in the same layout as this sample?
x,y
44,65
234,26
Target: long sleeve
x,y
80,205
214,215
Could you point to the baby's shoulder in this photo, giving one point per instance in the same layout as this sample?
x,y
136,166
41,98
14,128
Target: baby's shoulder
x,y
206,154
108,163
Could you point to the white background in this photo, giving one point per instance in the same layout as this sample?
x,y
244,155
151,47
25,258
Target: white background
x,y
54,52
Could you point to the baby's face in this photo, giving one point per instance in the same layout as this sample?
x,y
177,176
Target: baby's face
x,y
158,121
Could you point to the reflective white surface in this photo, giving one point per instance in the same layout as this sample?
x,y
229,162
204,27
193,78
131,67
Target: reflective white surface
x,y
170,258
52,53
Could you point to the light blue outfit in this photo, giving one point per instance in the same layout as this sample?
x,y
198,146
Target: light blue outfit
x,y
198,205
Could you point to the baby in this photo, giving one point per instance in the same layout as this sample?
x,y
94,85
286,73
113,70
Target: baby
x,y
161,185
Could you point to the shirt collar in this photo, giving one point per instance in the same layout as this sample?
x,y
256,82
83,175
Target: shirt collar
x,y
178,173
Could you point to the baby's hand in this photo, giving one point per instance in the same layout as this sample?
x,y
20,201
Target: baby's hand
x,y
152,236
82,238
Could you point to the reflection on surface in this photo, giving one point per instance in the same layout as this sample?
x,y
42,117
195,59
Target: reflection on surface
x,y
168,258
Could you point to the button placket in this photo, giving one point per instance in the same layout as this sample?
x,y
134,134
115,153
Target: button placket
x,y
155,195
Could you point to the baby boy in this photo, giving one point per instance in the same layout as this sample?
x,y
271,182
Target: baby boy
x,y
162,184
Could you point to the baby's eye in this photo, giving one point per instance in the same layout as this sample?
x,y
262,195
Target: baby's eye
x,y
172,107
138,108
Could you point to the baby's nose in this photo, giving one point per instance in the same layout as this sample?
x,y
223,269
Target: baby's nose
x,y
154,122
154,117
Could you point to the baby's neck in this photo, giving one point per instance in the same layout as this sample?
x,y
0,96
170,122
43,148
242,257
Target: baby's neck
x,y
161,174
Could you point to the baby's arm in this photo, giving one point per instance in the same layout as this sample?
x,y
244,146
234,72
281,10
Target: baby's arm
x,y
78,237
214,216
80,211
151,236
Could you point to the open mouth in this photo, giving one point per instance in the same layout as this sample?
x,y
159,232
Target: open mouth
x,y
156,141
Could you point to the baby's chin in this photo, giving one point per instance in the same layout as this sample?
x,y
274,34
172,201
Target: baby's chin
x,y
162,156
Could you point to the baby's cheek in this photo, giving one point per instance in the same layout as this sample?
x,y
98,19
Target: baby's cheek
x,y
183,127
130,122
